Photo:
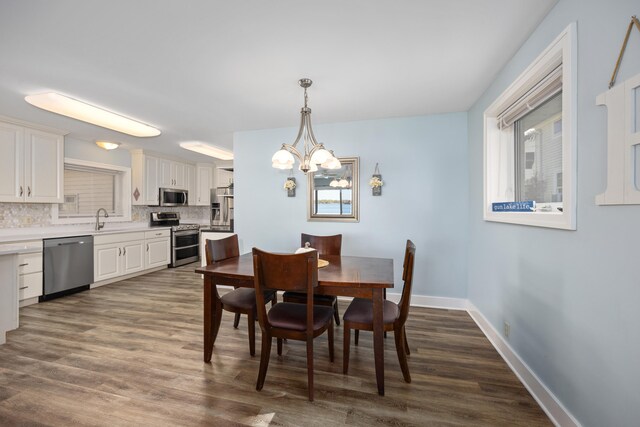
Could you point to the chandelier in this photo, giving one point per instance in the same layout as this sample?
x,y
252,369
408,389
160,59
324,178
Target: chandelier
x,y
313,153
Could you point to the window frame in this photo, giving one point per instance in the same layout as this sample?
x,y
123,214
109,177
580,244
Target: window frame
x,y
125,173
499,146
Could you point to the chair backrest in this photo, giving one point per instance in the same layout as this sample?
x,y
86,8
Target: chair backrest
x,y
407,276
219,250
298,272
325,245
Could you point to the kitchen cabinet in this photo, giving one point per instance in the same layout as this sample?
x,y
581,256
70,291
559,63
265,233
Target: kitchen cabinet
x,y
191,184
11,256
204,184
116,255
32,162
172,174
158,248
121,254
151,194
30,274
149,173
224,176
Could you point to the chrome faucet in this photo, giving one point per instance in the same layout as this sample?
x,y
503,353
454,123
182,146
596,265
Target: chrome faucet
x,y
99,224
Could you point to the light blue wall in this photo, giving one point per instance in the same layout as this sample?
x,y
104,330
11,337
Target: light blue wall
x,y
87,150
571,297
423,162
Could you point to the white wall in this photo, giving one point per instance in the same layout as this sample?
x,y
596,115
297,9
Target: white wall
x,y
571,297
423,162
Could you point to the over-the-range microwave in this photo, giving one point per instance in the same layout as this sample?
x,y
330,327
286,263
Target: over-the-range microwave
x,y
173,197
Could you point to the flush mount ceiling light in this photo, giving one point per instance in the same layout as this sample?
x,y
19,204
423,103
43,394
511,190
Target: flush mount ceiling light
x,y
313,154
207,150
79,110
107,145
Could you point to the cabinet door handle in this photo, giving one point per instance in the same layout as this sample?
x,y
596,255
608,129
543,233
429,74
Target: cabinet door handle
x,y
29,191
119,251
158,234
21,191
23,288
124,251
23,264
147,247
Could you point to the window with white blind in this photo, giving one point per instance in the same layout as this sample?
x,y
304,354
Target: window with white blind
x,y
89,186
529,143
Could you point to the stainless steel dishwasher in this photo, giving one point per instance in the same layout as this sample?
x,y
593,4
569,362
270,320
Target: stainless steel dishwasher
x,y
68,266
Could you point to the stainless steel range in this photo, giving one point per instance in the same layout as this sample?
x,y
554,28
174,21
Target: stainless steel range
x,y
185,238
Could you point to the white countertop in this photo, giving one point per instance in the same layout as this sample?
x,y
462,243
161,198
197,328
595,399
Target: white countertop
x,y
36,233
18,249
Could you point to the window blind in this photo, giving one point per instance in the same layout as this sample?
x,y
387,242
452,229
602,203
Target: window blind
x,y
542,91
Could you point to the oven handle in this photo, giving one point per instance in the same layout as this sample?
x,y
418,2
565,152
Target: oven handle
x,y
177,248
186,232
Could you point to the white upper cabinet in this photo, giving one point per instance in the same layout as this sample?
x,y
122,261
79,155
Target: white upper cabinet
x,y
151,194
150,173
172,174
191,184
32,162
204,185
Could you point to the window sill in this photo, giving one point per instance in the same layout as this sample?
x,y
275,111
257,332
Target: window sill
x,y
558,220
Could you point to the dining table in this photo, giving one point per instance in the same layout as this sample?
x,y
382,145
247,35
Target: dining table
x,y
350,276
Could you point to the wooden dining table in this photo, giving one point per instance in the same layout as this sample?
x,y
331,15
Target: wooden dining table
x,y
351,276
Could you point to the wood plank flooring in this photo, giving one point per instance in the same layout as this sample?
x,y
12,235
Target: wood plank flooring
x,y
130,354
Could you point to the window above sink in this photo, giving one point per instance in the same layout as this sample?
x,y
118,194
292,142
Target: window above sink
x,y
89,186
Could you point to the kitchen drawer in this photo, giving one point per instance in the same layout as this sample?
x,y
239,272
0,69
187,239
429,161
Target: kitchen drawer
x,y
29,286
118,237
29,263
155,234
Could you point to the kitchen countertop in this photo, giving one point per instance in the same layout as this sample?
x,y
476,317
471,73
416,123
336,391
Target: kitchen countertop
x,y
37,233
14,249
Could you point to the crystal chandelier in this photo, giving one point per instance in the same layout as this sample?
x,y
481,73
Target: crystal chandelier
x,y
313,154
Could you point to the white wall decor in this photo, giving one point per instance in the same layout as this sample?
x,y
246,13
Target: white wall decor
x,y
623,143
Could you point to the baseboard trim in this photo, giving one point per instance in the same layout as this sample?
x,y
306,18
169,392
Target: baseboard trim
x,y
549,403
447,303
125,277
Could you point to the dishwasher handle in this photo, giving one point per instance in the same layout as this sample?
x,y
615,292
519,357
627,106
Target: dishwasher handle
x,y
71,243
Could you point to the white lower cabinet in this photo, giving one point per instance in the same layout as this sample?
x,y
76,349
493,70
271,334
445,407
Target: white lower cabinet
x,y
117,254
158,248
120,254
30,273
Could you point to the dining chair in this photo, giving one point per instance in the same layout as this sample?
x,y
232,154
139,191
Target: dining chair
x,y
241,300
303,322
359,316
325,245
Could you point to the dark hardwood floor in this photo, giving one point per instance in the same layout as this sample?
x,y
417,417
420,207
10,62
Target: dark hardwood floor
x,y
130,354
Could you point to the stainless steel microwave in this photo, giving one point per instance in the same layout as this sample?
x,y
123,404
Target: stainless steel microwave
x,y
173,197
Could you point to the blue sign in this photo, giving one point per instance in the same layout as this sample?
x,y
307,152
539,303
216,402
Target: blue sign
x,y
526,206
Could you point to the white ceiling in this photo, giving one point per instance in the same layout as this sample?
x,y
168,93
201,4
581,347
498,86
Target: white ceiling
x,y
203,69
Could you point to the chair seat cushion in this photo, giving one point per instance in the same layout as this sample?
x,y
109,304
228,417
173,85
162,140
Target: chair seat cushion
x,y
301,297
361,311
287,315
244,298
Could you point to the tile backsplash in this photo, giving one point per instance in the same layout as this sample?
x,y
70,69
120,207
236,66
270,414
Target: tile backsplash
x,y
20,215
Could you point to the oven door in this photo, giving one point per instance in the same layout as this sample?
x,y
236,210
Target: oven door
x,y
185,247
171,197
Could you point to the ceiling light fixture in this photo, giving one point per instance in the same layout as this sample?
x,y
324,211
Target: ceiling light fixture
x,y
207,150
313,154
79,110
107,145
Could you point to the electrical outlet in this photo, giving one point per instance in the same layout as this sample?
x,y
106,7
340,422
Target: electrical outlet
x,y
506,329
